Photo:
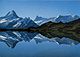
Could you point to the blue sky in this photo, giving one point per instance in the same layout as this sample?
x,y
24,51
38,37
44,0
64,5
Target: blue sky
x,y
25,8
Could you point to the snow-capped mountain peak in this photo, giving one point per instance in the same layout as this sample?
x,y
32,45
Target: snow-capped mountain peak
x,y
60,18
64,19
11,15
11,20
39,18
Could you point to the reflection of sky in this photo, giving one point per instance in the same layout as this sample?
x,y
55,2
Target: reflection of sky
x,y
42,8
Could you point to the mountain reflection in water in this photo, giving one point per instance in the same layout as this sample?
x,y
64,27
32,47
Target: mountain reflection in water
x,y
11,38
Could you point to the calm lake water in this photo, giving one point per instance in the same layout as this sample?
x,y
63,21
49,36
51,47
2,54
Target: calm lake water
x,y
34,45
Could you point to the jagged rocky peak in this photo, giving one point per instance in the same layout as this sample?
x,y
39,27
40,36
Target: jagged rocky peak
x,y
39,18
11,14
66,18
27,18
69,16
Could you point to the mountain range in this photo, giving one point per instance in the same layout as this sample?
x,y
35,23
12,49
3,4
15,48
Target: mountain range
x,y
12,20
63,19
48,27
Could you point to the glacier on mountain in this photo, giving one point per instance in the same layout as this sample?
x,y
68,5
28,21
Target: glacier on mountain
x,y
11,20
